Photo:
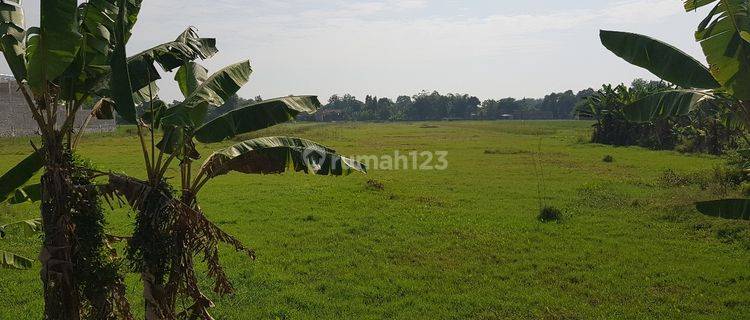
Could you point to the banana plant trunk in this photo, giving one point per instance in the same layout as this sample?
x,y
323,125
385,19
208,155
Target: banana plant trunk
x,y
155,297
61,296
158,301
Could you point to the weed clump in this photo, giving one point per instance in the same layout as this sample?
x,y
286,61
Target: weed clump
x,y
720,178
608,159
669,178
375,185
505,152
550,214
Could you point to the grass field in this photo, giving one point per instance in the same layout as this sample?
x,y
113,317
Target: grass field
x,y
462,243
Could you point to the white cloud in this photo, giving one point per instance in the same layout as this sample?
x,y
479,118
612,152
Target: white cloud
x,y
388,47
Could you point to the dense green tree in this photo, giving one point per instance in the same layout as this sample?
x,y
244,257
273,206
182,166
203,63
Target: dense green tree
x,y
399,109
559,105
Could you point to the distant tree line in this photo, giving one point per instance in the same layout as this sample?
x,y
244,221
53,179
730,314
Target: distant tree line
x,y
437,106
431,106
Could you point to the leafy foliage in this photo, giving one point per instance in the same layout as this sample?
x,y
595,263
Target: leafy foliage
x,y
665,104
684,124
170,227
14,261
665,61
277,155
60,66
21,173
255,116
212,92
724,37
725,40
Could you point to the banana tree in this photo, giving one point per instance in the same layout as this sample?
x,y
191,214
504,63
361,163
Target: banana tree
x,y
724,36
171,229
58,67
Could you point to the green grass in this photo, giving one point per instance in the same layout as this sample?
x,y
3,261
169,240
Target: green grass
x,y
464,243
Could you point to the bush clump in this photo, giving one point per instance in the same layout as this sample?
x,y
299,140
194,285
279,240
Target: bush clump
x,y
550,214
608,159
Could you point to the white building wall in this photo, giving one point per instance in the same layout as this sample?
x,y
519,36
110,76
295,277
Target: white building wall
x,y
16,119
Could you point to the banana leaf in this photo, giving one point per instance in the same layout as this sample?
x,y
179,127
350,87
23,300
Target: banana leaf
x,y
122,91
256,116
724,37
190,76
30,193
663,60
52,47
665,104
211,93
14,54
17,176
13,261
274,155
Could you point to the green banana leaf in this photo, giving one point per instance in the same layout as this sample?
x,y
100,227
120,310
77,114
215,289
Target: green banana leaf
x,y
168,55
17,176
663,60
122,91
256,116
52,47
665,104
177,141
187,47
189,77
736,209
27,228
211,93
203,47
724,37
274,155
692,5
14,53
146,93
13,261
98,25
30,193
90,71
152,112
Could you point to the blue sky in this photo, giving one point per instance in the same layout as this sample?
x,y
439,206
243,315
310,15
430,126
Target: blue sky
x,y
489,48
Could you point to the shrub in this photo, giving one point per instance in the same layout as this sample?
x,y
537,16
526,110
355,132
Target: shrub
x,y
608,159
550,214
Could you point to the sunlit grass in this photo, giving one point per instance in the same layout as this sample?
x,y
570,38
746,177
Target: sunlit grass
x,y
455,244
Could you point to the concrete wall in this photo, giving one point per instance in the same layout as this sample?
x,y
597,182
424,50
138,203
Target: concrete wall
x,y
16,120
